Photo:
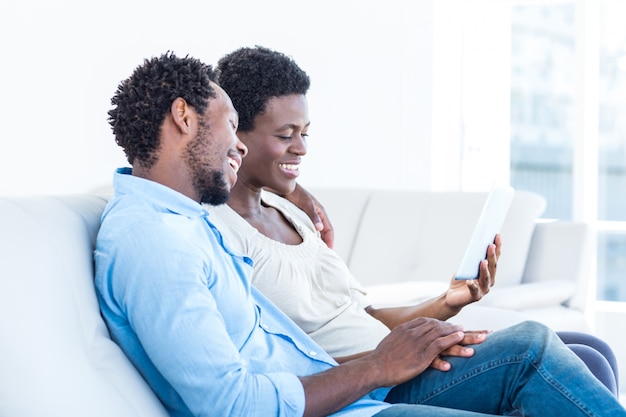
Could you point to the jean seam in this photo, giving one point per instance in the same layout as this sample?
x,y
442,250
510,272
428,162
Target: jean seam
x,y
469,375
561,389
504,362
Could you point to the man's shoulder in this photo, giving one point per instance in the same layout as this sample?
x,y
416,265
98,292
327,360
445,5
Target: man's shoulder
x,y
126,211
129,219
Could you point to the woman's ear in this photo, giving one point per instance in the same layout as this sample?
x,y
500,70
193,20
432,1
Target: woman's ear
x,y
181,114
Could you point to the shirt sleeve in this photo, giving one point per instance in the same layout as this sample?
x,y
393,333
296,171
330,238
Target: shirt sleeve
x,y
159,284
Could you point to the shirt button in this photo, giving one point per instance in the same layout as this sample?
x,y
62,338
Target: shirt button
x,y
265,326
313,353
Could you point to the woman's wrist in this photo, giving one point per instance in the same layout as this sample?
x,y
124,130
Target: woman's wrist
x,y
446,309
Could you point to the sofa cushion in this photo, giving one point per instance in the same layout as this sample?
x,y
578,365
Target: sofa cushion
x,y
517,233
56,356
479,317
552,254
404,293
345,208
413,235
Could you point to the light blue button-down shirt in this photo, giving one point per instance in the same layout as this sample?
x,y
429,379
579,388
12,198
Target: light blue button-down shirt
x,y
181,306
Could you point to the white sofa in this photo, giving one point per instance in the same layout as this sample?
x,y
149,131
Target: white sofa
x,y
406,245
56,358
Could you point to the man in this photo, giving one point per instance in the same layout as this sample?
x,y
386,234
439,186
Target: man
x,y
181,306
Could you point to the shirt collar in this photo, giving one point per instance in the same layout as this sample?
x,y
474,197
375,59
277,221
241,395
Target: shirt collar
x,y
158,194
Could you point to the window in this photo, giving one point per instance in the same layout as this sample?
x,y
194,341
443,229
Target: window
x,y
546,44
612,152
542,100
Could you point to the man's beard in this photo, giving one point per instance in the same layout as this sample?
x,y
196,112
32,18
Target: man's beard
x,y
215,191
209,184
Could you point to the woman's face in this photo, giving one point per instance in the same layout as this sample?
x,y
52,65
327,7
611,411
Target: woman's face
x,y
276,145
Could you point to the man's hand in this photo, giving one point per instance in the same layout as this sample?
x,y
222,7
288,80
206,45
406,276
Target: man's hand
x,y
406,352
414,346
315,210
464,292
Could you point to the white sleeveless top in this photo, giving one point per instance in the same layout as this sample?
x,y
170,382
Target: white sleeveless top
x,y
309,281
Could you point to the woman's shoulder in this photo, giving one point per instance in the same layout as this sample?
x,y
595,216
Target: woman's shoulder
x,y
293,213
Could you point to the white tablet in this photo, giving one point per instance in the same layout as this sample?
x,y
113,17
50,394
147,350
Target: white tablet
x,y
489,224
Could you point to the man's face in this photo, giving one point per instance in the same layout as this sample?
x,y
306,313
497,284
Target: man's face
x,y
214,155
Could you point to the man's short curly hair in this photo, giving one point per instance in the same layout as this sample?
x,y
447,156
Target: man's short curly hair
x,y
252,76
142,101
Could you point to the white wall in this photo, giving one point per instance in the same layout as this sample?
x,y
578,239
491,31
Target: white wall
x,y
371,101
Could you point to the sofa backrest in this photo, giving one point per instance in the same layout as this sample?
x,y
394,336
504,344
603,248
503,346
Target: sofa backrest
x,y
398,235
571,262
56,357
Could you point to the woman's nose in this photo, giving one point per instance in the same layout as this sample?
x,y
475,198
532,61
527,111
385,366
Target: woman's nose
x,y
242,148
299,146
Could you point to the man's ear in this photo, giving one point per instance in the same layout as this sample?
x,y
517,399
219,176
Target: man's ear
x,y
181,114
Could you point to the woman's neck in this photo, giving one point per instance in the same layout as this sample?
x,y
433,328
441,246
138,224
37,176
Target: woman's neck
x,y
266,219
246,201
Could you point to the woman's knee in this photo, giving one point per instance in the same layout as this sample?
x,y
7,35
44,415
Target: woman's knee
x,y
530,331
528,339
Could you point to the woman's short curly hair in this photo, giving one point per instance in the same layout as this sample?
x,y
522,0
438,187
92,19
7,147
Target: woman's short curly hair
x,y
142,101
252,76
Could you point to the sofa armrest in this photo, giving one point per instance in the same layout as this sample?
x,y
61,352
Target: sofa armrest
x,y
530,295
561,251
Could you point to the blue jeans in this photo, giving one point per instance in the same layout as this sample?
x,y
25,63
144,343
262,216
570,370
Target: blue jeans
x,y
524,368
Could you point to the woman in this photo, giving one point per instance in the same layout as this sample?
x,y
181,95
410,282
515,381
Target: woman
x,y
293,266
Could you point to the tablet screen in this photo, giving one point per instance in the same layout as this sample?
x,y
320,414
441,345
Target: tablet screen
x,y
489,224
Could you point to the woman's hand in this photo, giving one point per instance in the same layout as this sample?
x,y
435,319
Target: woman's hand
x,y
472,337
464,292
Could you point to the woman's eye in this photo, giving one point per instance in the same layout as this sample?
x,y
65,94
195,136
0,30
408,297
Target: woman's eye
x,y
290,137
